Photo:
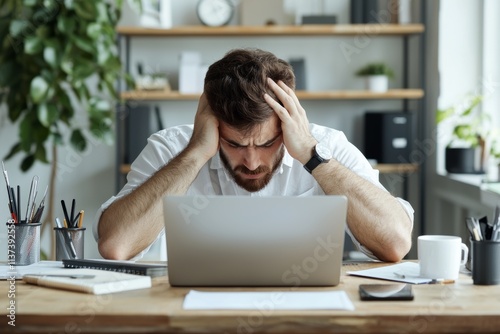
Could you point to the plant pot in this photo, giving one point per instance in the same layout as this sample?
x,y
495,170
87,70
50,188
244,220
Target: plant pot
x,y
463,160
377,83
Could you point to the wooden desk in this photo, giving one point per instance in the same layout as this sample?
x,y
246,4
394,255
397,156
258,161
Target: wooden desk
x,y
459,308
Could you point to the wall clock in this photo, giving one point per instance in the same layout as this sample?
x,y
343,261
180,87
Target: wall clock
x,y
215,13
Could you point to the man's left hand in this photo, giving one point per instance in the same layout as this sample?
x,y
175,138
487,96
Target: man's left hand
x,y
294,123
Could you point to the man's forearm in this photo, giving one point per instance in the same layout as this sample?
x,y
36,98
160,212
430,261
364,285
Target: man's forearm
x,y
375,217
133,222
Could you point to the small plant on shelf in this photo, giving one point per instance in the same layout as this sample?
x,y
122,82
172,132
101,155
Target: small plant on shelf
x,y
377,76
469,130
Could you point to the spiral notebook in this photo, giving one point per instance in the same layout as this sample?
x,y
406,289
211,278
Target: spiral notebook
x,y
128,267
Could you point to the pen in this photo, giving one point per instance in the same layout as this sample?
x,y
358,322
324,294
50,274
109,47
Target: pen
x,y
14,205
65,211
442,281
67,237
19,218
33,186
7,185
74,223
72,217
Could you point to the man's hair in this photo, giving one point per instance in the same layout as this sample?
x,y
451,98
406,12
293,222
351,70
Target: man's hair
x,y
235,86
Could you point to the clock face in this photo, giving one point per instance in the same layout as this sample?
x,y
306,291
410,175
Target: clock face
x,y
215,13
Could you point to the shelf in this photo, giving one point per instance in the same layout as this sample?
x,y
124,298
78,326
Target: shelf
x,y
303,95
396,168
383,168
278,30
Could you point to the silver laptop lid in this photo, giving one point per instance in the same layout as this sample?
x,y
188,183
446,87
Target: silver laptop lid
x,y
254,241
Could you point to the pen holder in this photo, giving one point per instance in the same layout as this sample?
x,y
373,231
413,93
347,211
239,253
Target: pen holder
x,y
69,243
23,243
485,262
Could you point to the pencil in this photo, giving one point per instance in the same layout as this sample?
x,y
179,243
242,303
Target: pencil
x,y
80,221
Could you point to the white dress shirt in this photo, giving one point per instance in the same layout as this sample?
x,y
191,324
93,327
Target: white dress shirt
x,y
290,179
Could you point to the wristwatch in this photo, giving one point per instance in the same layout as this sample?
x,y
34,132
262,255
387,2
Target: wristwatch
x,y
321,154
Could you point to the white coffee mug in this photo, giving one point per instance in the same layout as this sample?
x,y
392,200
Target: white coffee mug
x,y
440,256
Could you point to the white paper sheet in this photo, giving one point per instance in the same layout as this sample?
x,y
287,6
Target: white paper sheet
x,y
36,268
276,300
407,272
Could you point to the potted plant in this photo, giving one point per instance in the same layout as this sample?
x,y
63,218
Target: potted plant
x,y
59,65
376,76
470,130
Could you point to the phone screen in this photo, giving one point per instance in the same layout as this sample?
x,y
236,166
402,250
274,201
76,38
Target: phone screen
x,y
397,291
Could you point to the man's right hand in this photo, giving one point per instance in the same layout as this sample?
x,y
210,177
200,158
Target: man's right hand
x,y
205,138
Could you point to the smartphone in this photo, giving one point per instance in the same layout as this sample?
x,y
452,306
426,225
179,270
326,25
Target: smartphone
x,y
393,291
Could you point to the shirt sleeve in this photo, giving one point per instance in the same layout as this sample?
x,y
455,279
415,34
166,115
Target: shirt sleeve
x,y
156,154
351,157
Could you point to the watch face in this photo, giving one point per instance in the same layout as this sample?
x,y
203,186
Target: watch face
x,y
215,13
323,151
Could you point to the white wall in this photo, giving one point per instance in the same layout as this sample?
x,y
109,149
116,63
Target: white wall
x,y
90,177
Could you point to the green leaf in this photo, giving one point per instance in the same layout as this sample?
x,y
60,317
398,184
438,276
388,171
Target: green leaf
x,y
98,105
42,32
33,45
78,141
67,66
58,139
26,132
69,4
51,56
29,3
16,148
41,153
83,44
102,12
17,27
47,114
7,72
27,162
40,134
443,114
85,9
38,89
94,30
66,25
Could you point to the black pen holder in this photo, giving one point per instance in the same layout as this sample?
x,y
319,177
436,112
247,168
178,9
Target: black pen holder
x,y
23,243
485,262
70,243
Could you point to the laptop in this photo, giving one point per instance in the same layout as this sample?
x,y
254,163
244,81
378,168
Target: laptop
x,y
254,241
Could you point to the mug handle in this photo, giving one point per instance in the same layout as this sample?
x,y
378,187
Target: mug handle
x,y
465,252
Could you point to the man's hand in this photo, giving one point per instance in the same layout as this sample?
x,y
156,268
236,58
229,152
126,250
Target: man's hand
x,y
205,136
294,123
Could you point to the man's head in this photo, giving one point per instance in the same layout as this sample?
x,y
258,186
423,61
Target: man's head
x,y
251,144
235,86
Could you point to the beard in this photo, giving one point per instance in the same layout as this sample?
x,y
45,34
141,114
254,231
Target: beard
x,y
252,185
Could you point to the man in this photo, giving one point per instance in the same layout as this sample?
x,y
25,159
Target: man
x,y
251,137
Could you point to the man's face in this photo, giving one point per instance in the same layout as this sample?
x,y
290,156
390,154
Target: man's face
x,y
251,159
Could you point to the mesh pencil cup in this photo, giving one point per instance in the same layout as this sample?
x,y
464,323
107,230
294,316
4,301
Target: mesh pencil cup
x,y
23,243
69,243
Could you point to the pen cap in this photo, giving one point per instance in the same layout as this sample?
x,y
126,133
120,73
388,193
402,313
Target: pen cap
x,y
23,243
485,262
69,243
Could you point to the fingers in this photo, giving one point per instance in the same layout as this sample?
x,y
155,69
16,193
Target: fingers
x,y
287,97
